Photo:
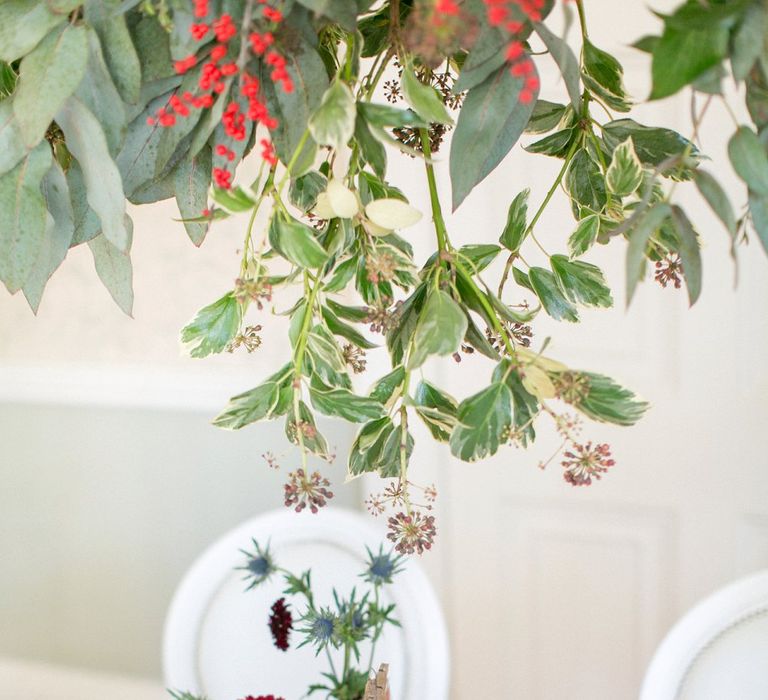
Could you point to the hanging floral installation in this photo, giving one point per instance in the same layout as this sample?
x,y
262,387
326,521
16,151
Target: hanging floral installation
x,y
146,100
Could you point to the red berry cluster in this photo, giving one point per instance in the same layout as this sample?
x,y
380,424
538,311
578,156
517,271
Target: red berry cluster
x,y
447,7
502,14
212,81
262,697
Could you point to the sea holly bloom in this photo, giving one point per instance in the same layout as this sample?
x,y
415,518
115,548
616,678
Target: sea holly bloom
x,y
584,462
280,624
320,629
259,566
382,567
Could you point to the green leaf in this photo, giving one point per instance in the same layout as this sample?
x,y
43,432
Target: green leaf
x,y
490,123
545,117
758,210
682,55
87,224
585,183
749,160
343,330
213,327
47,77
581,282
440,330
423,98
153,48
517,222
525,406
608,402
305,189
545,286
294,109
366,450
342,275
479,255
191,181
555,145
638,242
604,75
11,147
23,24
387,116
57,237
748,40
117,44
690,255
437,409
383,390
113,266
99,94
333,122
87,143
566,61
625,173
296,242
343,12
487,54
344,403
585,235
653,145
371,149
717,199
266,401
481,421
311,439
24,218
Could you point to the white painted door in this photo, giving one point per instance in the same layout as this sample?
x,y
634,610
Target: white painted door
x,y
562,593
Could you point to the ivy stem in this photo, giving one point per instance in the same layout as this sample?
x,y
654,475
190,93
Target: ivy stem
x,y
582,17
535,220
437,211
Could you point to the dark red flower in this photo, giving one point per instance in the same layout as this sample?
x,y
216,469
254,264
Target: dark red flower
x,y
280,624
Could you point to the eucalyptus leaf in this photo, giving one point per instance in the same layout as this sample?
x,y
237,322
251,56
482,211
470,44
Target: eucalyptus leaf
x,y
192,179
749,159
58,237
117,44
566,62
638,242
86,141
717,199
24,217
114,269
12,148
47,77
23,24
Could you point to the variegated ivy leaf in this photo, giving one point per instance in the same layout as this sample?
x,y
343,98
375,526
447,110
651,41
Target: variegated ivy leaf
x,y
625,173
440,330
333,122
423,99
582,283
585,235
482,420
213,328
270,399
517,222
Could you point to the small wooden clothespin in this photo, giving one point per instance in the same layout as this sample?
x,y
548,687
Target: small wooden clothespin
x,y
378,687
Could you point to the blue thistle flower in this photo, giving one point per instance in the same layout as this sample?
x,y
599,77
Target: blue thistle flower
x,y
259,566
320,629
382,566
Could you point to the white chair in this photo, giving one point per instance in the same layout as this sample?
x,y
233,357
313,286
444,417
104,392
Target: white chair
x,y
718,650
216,640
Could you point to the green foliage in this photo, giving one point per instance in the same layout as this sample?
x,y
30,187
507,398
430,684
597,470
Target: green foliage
x,y
81,87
